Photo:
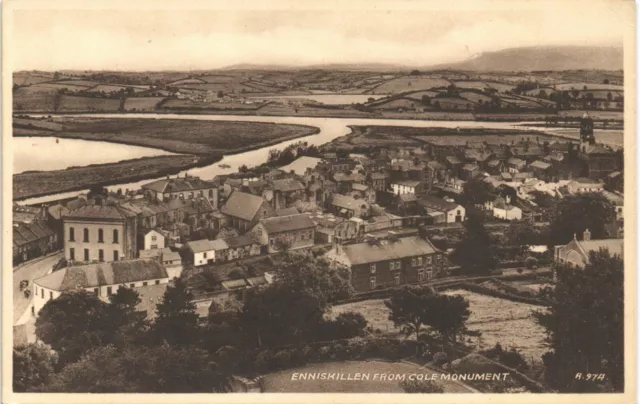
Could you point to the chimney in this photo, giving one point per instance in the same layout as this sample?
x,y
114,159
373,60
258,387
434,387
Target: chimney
x,y
586,236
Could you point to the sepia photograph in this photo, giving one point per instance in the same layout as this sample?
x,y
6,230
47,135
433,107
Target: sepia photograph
x,y
276,197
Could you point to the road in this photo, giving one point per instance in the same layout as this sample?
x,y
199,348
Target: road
x,y
29,271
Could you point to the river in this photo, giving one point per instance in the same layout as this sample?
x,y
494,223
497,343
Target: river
x,y
330,128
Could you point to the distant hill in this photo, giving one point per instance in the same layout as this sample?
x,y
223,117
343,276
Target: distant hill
x,y
542,58
329,66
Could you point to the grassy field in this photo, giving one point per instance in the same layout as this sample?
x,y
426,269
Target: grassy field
x,y
280,382
142,103
71,103
509,323
504,321
39,183
409,83
180,135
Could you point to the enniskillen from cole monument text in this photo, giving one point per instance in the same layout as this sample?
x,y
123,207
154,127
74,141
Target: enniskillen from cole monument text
x,y
318,201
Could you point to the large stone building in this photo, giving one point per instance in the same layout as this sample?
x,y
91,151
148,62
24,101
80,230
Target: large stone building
x,y
298,231
182,188
597,160
386,263
100,233
243,211
575,254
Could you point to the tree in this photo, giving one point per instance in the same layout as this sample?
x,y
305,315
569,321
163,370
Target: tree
x,y
409,308
426,100
585,325
306,283
475,253
415,73
575,214
73,324
157,369
414,306
176,317
33,367
521,232
476,192
129,326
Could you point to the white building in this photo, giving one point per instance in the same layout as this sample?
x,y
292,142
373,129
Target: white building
x,y
405,187
202,252
153,239
103,279
507,212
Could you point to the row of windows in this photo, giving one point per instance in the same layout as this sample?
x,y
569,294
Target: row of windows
x,y
422,276
191,194
72,255
85,235
397,265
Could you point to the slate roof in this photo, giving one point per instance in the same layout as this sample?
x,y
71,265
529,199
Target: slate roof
x,y
178,185
614,245
287,223
347,202
57,211
407,183
240,241
515,161
470,167
453,160
364,253
242,205
598,149
287,185
25,233
287,211
199,246
359,187
541,165
436,203
379,176
102,274
112,212
493,163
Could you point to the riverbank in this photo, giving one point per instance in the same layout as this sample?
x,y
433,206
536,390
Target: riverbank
x,y
41,183
194,137
310,112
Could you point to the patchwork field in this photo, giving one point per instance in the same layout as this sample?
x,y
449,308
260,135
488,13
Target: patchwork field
x,y
141,103
70,103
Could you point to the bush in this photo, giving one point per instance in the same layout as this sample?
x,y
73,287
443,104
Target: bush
x,y
440,358
531,262
520,270
282,359
421,386
350,324
263,362
236,274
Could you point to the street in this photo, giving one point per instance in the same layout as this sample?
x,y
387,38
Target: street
x,y
30,271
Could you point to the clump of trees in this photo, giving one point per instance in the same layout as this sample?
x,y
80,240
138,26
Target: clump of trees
x,y
285,156
575,214
476,251
585,324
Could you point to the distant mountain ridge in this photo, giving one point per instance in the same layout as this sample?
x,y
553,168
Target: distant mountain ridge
x,y
542,58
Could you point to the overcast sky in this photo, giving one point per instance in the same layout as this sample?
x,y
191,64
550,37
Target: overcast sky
x,y
412,33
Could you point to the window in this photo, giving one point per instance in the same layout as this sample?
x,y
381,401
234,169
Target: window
x,y
144,283
109,291
100,255
204,255
372,268
50,295
42,293
96,291
153,238
429,260
100,236
115,236
211,193
394,265
153,246
132,285
396,279
414,262
157,282
115,255
419,261
420,275
86,254
85,233
72,234
372,282
429,274
181,195
72,254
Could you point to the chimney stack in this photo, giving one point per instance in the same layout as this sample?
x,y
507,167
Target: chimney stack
x,y
586,236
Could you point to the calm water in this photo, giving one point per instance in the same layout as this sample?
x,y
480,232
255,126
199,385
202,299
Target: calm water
x,y
330,128
49,153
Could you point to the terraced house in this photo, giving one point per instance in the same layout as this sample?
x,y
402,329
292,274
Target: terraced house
x,y
100,233
182,188
296,230
378,264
